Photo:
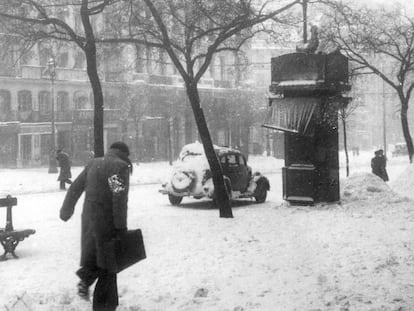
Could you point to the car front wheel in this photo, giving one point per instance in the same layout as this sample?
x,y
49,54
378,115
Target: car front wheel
x,y
174,200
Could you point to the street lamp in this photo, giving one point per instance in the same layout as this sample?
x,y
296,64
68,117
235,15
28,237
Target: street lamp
x,y
52,153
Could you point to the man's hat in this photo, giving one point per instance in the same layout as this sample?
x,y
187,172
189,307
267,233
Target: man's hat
x,y
120,145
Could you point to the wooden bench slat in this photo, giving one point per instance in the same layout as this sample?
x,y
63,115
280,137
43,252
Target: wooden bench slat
x,y
10,238
8,201
17,234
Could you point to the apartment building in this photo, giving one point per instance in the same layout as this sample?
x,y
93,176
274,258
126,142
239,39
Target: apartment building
x,y
145,104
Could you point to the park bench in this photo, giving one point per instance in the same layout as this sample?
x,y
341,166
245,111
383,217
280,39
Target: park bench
x,y
10,238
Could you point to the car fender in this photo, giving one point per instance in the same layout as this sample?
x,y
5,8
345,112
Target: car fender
x,y
209,190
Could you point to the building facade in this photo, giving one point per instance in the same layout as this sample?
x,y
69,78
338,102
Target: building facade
x,y
144,105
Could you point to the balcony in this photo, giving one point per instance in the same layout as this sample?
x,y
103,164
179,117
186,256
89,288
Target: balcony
x,y
65,74
206,82
31,72
7,70
160,79
223,84
85,116
63,116
71,74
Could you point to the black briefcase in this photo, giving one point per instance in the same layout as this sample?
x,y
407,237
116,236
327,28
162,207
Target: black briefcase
x,y
121,253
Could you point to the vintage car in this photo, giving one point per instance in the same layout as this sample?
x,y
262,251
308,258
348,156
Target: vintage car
x,y
191,176
400,149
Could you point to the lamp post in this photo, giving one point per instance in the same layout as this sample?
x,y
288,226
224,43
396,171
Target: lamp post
x,y
170,135
305,20
52,152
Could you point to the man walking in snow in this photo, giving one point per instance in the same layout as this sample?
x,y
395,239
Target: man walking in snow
x,y
65,173
378,165
105,182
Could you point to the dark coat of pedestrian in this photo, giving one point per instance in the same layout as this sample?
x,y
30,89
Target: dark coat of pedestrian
x,y
105,182
64,163
379,164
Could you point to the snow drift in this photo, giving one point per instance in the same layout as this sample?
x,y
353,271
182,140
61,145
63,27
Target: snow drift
x,y
366,186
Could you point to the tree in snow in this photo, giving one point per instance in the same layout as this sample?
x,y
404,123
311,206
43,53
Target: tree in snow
x,y
371,36
192,33
33,21
345,112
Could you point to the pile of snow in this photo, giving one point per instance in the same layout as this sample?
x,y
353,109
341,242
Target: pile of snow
x,y
195,148
404,184
368,187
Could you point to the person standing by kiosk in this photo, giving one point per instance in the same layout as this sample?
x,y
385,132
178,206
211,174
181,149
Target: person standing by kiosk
x,y
379,164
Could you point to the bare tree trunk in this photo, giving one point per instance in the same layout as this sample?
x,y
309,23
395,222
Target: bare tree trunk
x,y
345,144
92,70
221,195
406,130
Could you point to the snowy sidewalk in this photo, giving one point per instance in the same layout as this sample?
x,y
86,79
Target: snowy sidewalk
x,y
269,257
37,180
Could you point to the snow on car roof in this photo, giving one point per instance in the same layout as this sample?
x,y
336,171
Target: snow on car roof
x,y
197,148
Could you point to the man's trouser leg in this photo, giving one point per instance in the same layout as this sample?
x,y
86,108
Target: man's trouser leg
x,y
89,271
105,296
62,184
88,274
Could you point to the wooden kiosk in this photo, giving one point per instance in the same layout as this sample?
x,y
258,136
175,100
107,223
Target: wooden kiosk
x,y
305,95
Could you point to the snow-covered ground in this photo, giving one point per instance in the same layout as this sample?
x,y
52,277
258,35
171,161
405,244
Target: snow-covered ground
x,y
37,180
355,256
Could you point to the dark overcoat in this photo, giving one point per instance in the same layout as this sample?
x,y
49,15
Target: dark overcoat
x,y
64,163
105,182
378,166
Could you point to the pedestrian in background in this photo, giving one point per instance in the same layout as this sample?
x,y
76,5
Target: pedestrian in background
x,y
105,182
64,163
378,165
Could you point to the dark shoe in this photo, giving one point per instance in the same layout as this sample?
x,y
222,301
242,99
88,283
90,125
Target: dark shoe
x,y
83,290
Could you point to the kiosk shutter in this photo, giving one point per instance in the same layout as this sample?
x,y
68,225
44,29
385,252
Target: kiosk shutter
x,y
291,114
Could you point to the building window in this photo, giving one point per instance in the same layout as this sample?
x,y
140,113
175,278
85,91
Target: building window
x,y
24,99
45,54
162,64
222,68
81,101
148,56
78,24
212,67
62,101
7,61
62,13
62,60
110,101
79,61
139,58
5,105
45,106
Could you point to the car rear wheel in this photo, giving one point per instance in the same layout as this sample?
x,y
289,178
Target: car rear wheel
x,y
174,200
260,194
